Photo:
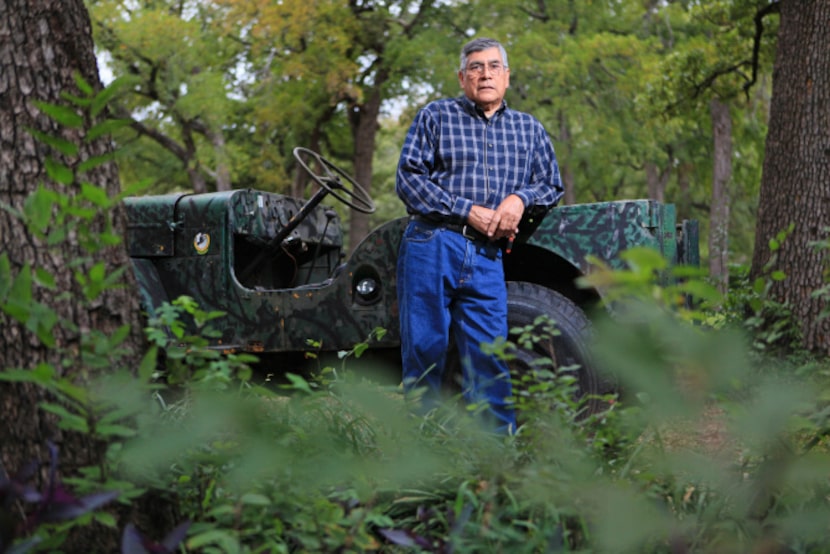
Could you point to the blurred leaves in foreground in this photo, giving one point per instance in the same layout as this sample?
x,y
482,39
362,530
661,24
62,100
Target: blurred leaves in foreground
x,y
699,451
706,445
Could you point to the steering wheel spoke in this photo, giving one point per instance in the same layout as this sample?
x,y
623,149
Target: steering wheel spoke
x,y
335,180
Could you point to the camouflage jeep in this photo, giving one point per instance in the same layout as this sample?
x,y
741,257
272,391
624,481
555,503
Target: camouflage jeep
x,y
276,265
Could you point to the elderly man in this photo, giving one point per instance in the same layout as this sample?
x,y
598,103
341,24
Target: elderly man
x,y
469,168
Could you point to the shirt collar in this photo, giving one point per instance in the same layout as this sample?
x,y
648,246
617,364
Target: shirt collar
x,y
472,108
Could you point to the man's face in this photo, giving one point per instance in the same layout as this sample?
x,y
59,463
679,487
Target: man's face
x,y
485,79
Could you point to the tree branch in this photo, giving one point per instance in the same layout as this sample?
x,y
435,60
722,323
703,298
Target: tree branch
x,y
541,14
175,148
698,88
774,7
419,15
708,82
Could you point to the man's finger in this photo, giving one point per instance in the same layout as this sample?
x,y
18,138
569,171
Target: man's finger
x,y
494,225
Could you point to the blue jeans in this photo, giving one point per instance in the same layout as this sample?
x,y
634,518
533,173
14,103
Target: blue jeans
x,y
447,282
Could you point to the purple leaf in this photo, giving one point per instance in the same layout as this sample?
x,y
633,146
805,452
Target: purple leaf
x,y
64,506
399,537
176,536
17,487
22,547
423,542
131,541
406,538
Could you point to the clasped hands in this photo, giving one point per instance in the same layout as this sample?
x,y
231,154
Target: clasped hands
x,y
501,222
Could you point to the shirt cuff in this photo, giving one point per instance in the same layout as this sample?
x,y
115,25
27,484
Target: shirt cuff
x,y
526,197
461,208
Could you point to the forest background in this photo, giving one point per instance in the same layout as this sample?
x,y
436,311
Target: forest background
x,y
719,107
664,100
634,94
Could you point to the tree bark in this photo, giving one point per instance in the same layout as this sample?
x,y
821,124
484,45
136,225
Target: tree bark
x,y
719,210
364,122
684,200
566,170
795,186
656,181
223,171
43,43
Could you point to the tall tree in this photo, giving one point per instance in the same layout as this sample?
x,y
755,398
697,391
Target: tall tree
x,y
382,41
795,187
582,69
44,44
331,66
721,176
181,65
713,65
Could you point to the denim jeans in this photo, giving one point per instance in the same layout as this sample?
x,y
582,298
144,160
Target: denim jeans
x,y
448,282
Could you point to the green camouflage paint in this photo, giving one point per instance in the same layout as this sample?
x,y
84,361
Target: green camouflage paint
x,y
226,250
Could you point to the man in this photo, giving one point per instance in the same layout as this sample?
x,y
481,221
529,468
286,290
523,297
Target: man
x,y
469,168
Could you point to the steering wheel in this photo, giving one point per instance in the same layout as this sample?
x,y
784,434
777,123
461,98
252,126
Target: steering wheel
x,y
355,197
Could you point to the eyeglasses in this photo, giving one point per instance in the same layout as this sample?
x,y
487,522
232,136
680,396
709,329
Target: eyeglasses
x,y
477,68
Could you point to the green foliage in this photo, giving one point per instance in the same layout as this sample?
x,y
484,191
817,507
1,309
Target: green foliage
x,y
69,211
340,464
181,66
680,290
750,306
187,358
823,247
623,87
385,166
355,352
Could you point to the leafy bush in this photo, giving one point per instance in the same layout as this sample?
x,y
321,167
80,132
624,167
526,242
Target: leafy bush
x,y
700,453
769,323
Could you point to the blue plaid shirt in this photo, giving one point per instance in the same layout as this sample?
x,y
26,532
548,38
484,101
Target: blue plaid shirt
x,y
454,157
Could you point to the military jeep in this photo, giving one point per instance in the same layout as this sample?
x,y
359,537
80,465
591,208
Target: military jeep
x,y
277,267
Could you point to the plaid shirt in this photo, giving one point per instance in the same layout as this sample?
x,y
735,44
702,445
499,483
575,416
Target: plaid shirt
x,y
454,157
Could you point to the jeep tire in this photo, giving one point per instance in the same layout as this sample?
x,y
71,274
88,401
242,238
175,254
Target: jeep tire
x,y
569,348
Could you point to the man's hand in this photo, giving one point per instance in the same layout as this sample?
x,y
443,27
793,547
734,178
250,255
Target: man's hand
x,y
506,218
479,218
501,222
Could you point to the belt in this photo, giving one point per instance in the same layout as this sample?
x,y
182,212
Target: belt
x,y
466,231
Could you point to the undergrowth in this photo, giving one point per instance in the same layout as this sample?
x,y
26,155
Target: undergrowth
x,y
336,463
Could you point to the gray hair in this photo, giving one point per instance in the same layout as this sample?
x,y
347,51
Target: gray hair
x,y
479,44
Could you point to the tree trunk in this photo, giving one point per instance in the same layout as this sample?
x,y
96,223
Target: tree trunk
x,y
301,177
795,186
220,151
656,181
190,160
43,43
364,119
719,211
684,201
565,170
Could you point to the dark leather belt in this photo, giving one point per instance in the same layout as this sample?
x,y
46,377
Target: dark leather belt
x,y
466,231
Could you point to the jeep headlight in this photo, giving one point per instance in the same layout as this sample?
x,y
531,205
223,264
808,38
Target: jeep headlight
x,y
366,285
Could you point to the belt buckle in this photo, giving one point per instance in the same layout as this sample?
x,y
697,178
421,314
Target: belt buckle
x,y
468,232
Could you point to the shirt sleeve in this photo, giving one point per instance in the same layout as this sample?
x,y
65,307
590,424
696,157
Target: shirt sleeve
x,y
413,183
544,187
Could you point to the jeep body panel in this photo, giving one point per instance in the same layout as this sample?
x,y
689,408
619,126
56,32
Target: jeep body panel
x,y
219,249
